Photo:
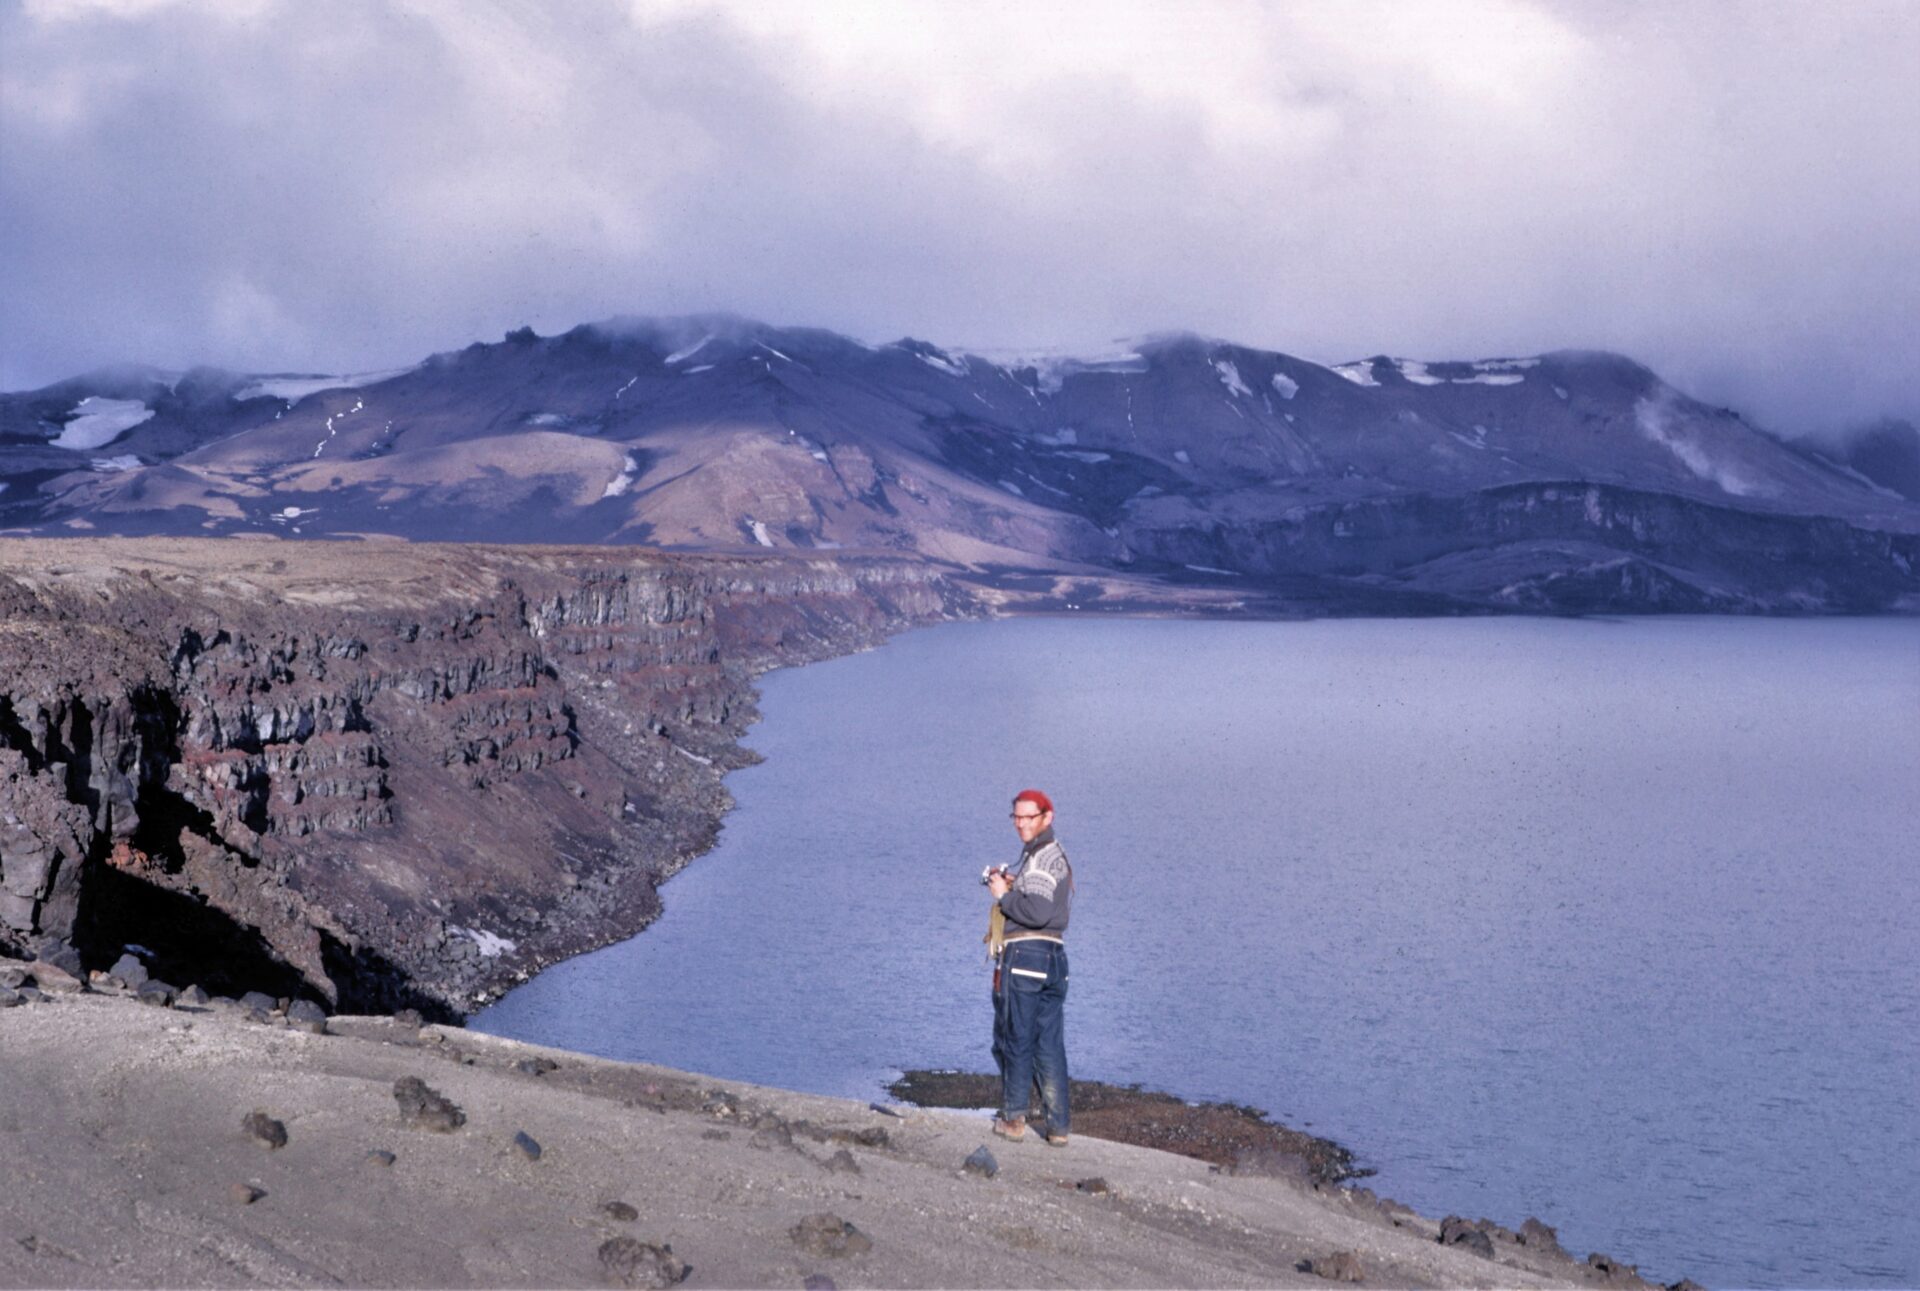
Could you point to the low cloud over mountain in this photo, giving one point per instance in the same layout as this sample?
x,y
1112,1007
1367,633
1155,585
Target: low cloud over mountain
x,y
1565,480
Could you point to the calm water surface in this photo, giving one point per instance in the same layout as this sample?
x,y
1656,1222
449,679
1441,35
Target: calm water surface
x,y
1616,924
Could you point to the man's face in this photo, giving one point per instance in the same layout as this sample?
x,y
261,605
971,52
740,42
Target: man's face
x,y
1030,820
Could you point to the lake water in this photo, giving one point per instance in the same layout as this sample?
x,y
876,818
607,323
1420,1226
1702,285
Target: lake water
x,y
1613,923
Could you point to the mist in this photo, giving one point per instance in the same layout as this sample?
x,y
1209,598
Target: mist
x,y
1727,193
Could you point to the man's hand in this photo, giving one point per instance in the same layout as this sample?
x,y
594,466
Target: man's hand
x,y
998,883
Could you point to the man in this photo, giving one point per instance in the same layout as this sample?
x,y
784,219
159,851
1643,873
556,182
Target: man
x,y
1030,976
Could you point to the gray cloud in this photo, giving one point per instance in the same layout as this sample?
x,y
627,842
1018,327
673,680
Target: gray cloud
x,y
1727,192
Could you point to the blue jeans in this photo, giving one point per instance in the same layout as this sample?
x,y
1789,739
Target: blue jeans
x,y
1030,1030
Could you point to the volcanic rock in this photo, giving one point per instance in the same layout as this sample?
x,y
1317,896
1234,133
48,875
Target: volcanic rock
x,y
423,1107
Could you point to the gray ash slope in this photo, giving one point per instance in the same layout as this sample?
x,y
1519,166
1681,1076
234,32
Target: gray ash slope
x,y
1564,482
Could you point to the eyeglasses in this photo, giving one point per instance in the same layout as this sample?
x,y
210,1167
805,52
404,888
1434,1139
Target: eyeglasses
x,y
1014,815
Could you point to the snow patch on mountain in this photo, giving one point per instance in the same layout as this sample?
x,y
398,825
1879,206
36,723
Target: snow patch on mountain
x,y
681,356
1505,365
941,362
1230,376
1285,385
1655,421
332,429
1490,379
294,387
96,422
491,945
1417,373
124,462
1051,368
620,483
760,534
1360,372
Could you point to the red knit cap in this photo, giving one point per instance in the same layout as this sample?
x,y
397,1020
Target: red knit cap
x,y
1034,796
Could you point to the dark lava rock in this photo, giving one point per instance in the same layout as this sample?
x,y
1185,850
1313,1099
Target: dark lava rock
x,y
381,1157
9,998
874,1136
425,1108
13,976
409,1018
1614,1273
1536,1236
829,1235
634,1263
841,1162
264,1130
887,1109
1217,1133
620,1210
32,995
1455,1231
193,997
129,972
258,1002
1341,1266
1685,1284
156,993
527,1146
1096,1185
59,956
305,1015
981,1162
245,1194
536,1066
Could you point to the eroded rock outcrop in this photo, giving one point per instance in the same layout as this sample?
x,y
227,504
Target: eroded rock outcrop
x,y
383,775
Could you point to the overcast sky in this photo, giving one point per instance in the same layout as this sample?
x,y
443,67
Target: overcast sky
x,y
1728,192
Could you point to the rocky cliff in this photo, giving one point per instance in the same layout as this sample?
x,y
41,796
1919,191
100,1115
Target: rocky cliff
x,y
383,774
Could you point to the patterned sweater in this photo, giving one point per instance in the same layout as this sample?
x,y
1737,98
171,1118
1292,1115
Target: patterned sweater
x,y
1042,890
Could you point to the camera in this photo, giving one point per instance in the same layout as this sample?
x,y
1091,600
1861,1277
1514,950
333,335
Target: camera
x,y
986,875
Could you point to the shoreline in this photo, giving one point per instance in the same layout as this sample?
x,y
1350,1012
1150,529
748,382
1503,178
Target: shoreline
x,y
149,1113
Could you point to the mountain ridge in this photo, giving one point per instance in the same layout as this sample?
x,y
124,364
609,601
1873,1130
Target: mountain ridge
x,y
717,432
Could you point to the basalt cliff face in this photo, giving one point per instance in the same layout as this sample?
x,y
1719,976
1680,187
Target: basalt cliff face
x,y
383,774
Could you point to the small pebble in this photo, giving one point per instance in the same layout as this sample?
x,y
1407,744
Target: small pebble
x,y
245,1194
381,1157
1096,1185
525,1144
621,1211
981,1162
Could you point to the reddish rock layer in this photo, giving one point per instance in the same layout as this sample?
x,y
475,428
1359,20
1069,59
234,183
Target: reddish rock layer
x,y
383,774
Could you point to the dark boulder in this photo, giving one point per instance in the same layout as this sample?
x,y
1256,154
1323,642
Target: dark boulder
x,y
423,1107
1455,1231
264,1130
305,1015
631,1262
